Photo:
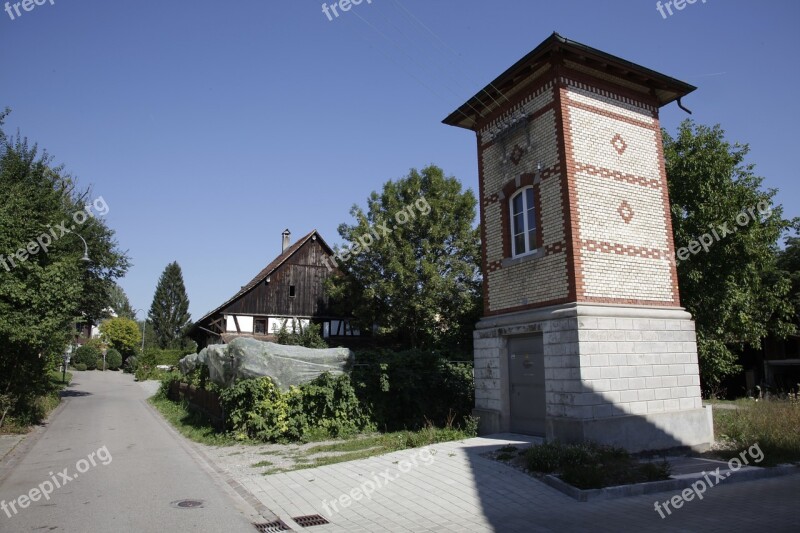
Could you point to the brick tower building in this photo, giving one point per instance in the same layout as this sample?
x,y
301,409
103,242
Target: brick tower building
x,y
583,336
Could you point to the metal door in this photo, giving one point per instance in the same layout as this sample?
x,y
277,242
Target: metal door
x,y
526,384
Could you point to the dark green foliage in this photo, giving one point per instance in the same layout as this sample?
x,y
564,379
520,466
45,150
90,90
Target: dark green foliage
x,y
420,283
130,364
81,367
87,355
789,263
735,290
41,296
591,465
309,336
406,390
169,313
118,301
328,404
113,359
326,407
100,364
256,409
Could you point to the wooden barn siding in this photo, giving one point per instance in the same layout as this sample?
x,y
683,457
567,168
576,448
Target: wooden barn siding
x,y
306,271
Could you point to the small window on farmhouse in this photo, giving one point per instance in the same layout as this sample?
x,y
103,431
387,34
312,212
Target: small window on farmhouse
x,y
523,222
291,291
260,327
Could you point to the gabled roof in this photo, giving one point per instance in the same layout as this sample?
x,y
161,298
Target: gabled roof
x,y
269,269
664,88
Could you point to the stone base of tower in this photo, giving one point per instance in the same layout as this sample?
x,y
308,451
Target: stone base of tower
x,y
621,375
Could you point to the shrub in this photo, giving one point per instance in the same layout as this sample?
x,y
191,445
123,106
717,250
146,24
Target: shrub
x,y
101,365
591,466
130,364
256,409
326,407
410,389
88,356
113,359
81,367
328,403
309,336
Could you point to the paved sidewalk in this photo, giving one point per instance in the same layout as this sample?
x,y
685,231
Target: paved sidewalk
x,y
461,491
8,443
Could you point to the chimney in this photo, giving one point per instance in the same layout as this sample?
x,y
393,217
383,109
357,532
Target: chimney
x,y
285,242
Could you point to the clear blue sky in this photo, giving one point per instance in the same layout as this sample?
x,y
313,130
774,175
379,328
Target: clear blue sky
x,y
209,127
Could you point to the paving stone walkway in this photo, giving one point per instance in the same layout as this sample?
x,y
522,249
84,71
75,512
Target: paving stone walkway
x,y
456,489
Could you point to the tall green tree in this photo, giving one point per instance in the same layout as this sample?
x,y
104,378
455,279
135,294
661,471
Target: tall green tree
x,y
169,317
789,262
118,301
44,284
411,262
733,288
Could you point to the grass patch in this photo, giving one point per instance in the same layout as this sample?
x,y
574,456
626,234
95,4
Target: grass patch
x,y
262,463
774,425
191,425
592,466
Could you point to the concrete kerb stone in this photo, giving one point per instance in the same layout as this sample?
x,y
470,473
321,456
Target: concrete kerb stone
x,y
669,485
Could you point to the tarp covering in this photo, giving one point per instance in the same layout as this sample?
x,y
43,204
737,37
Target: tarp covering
x,y
246,358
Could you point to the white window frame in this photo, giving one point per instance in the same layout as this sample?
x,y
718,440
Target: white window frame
x,y
527,229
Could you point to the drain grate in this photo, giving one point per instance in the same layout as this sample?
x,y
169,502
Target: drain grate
x,y
187,504
310,520
272,527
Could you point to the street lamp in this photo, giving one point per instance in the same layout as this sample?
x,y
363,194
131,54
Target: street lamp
x,y
85,249
144,325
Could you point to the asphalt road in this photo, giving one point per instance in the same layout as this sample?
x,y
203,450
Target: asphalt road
x,y
109,463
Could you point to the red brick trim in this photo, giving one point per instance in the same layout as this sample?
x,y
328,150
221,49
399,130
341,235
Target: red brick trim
x,y
591,245
484,265
668,217
569,195
654,126
522,97
619,176
598,85
532,117
537,305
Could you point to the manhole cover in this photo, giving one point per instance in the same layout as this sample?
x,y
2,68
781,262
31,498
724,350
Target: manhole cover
x,y
187,504
310,520
272,527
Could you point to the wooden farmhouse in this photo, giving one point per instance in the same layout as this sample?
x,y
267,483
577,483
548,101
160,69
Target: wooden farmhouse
x,y
289,290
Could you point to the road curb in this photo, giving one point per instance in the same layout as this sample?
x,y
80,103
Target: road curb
x,y
29,440
669,485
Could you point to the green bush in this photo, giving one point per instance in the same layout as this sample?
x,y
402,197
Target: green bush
x,y
591,465
88,356
256,409
130,364
309,336
414,388
326,407
100,364
113,359
81,367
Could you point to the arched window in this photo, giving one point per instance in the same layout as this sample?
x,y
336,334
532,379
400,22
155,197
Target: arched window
x,y
523,222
